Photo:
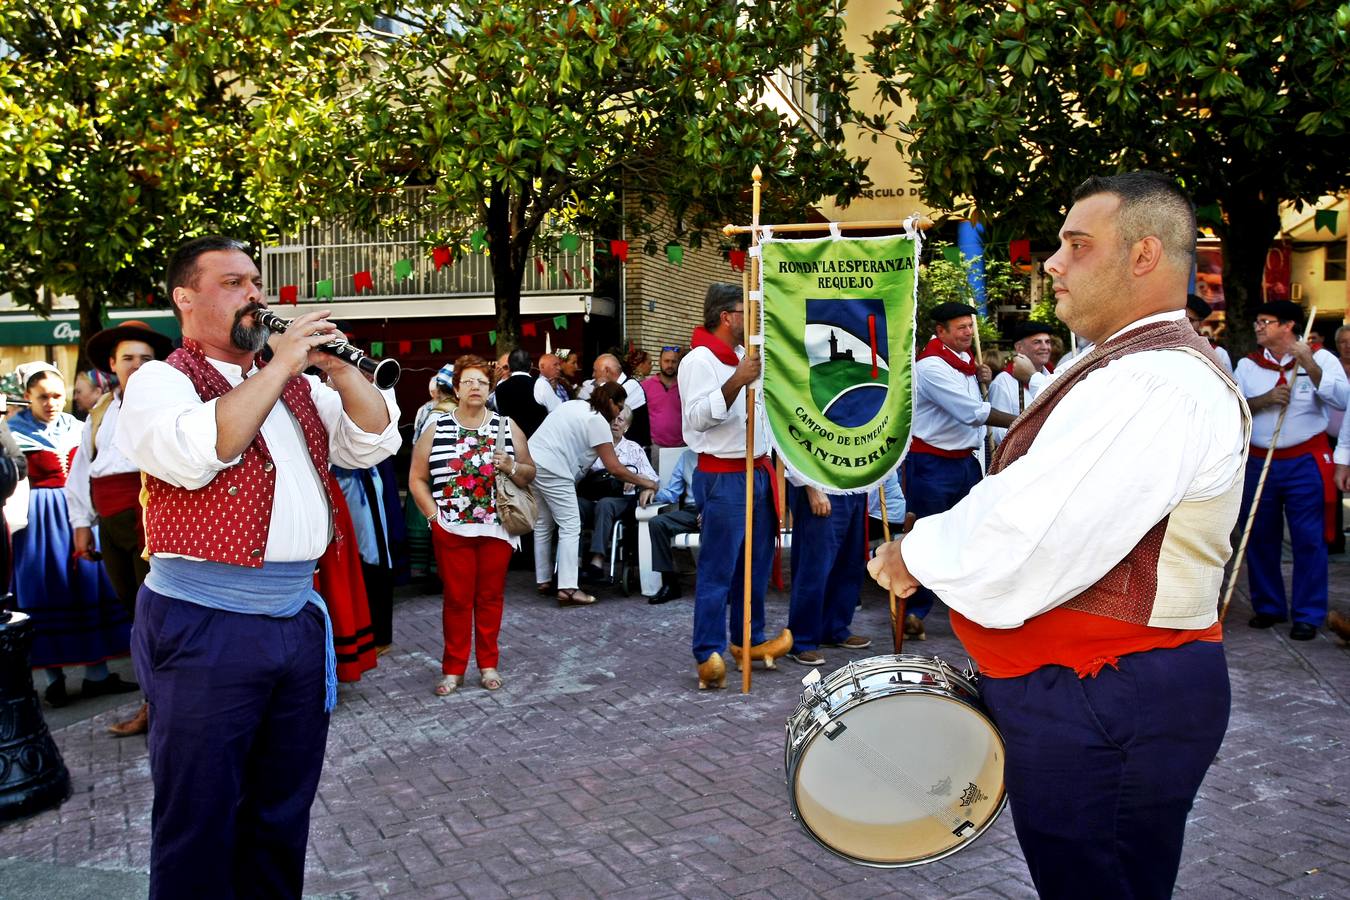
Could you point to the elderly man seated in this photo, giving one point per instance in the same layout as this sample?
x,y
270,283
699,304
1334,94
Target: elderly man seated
x,y
604,499
683,518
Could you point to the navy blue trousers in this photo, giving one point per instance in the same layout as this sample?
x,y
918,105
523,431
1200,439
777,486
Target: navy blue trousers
x,y
934,484
720,590
237,734
1293,492
827,568
1101,772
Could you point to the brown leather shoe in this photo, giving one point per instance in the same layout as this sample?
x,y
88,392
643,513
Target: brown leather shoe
x,y
137,724
914,627
1338,625
768,651
712,673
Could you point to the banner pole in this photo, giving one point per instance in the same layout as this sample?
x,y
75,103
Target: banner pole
x,y
897,613
751,326
984,395
923,223
1261,483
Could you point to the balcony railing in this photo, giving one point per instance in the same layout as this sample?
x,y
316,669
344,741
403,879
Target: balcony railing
x,y
336,251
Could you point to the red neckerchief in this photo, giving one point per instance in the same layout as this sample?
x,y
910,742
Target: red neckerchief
x,y
1259,357
725,354
946,354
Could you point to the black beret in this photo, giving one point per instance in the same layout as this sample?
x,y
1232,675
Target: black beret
x,y
945,312
1022,330
1284,310
1198,306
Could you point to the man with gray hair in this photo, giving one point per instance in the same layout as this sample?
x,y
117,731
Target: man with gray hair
x,y
713,377
1092,613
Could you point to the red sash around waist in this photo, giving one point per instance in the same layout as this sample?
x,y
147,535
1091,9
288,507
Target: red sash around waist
x,y
919,445
1319,448
113,494
722,465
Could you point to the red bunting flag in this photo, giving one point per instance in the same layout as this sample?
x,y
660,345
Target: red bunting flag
x,y
1019,252
440,256
539,264
619,249
290,294
466,341
404,347
737,259
528,329
567,277
363,282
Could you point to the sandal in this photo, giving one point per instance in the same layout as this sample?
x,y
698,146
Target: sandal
x,y
448,685
544,587
574,597
489,679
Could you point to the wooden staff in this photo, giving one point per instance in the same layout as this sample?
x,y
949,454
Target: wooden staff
x,y
984,395
897,611
923,223
751,325
1261,482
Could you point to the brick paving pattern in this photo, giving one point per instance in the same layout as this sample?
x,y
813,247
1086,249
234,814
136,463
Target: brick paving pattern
x,y
598,770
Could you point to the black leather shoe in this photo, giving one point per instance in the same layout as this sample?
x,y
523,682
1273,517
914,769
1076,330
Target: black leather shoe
x,y
1264,620
55,694
113,684
666,594
589,574
1302,631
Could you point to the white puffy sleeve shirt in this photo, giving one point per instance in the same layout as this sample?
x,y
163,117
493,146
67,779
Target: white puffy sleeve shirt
x,y
949,412
1307,405
1120,451
709,425
168,432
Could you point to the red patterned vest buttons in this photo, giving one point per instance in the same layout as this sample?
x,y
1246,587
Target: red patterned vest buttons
x,y
227,520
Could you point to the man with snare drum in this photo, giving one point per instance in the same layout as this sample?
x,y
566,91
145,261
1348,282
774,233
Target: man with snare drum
x,y
1091,611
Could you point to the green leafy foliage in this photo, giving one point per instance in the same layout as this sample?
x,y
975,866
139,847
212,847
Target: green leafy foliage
x,y
1018,101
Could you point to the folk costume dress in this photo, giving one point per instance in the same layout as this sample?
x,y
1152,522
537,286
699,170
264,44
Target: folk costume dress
x,y
77,618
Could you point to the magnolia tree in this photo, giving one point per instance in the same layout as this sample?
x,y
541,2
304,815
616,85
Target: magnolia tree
x,y
1017,101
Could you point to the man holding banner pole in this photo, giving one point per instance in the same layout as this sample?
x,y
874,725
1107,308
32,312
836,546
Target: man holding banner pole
x,y
712,379
949,420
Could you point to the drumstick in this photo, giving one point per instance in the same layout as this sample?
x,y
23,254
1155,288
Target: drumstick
x,y
897,618
1261,482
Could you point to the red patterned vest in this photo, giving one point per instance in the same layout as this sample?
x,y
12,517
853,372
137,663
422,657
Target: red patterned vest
x,y
227,520
1163,593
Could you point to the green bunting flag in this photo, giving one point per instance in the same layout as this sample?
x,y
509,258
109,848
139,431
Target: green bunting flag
x,y
377,349
324,289
1209,214
952,254
403,268
675,254
560,322
478,240
492,337
569,243
1325,218
838,354
436,345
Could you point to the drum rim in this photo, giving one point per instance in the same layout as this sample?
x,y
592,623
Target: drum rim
x,y
817,725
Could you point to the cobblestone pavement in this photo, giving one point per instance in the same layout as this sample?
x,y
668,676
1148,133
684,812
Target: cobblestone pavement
x,y
598,770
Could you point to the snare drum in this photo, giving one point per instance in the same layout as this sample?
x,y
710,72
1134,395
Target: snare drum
x,y
892,761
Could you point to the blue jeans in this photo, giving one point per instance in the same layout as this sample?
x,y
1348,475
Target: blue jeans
x,y
1101,772
721,559
1293,492
934,484
827,568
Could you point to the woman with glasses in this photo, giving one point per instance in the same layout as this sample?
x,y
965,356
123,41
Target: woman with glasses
x,y
453,481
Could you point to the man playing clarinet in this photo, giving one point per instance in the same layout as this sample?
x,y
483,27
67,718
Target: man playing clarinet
x,y
233,647
1091,611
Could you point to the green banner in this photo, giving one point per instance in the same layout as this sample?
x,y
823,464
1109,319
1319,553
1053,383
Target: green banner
x,y
838,353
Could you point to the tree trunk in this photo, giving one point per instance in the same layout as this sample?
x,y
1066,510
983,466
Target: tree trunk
x,y
509,244
91,322
1253,221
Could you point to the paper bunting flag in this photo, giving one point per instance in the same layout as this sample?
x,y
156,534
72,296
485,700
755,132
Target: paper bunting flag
x,y
619,249
737,259
404,348
560,322
569,243
539,264
529,329
492,337
324,289
952,254
363,282
478,240
1210,213
436,345
440,257
403,268
1019,251
567,276
377,349
466,341
290,294
675,254
1325,218
548,342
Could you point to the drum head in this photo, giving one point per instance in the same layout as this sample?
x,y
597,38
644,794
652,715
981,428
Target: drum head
x,y
901,779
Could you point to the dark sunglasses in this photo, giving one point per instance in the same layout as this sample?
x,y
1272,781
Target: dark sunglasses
x,y
672,349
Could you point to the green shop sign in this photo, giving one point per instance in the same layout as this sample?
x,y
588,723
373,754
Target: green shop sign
x,y
24,330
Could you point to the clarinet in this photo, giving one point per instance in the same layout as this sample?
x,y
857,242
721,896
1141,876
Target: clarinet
x,y
384,373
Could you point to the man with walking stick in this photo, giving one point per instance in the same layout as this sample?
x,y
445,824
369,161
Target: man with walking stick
x,y
1299,488
1091,611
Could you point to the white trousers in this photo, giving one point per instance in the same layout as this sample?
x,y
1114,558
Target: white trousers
x,y
557,496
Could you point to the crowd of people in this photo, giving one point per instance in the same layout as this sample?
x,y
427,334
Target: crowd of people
x,y
186,502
